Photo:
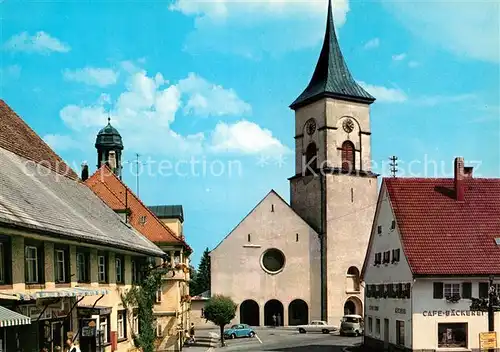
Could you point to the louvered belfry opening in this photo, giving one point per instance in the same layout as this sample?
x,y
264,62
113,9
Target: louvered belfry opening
x,y
348,156
311,157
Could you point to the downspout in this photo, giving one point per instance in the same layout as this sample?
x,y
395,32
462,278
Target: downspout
x,y
323,247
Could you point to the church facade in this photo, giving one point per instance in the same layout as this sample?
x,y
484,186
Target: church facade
x,y
315,246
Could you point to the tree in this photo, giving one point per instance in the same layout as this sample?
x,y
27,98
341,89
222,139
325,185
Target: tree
x,y
201,282
143,297
193,287
220,310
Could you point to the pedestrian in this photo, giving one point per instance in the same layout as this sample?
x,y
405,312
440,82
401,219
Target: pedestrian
x,y
279,319
274,320
72,346
191,332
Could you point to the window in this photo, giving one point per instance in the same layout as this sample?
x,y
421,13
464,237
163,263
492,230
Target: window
x,y
177,257
378,258
5,261
379,229
60,263
249,238
135,323
387,257
483,289
451,290
311,158
120,272
396,253
296,237
348,156
400,332
102,268
104,327
370,325
452,335
33,259
135,271
159,330
82,266
377,326
158,296
273,260
437,290
122,324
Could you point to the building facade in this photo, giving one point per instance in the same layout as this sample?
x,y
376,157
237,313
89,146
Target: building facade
x,y
333,198
173,301
65,257
432,250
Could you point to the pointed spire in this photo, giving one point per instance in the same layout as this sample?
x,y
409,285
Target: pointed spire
x,y
332,78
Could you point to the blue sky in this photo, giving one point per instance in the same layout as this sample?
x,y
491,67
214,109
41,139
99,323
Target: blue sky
x,y
210,82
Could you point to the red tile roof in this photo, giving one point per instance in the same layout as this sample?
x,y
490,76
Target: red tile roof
x,y
118,196
17,137
443,236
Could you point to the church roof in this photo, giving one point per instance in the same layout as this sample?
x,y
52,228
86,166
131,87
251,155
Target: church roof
x,y
331,77
109,137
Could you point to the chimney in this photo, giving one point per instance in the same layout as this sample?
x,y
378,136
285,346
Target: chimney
x,y
112,160
459,176
85,171
468,171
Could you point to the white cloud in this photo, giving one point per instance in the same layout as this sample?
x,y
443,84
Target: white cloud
x,y
444,99
372,44
465,28
60,142
40,42
413,64
399,57
384,94
267,25
245,137
145,111
94,76
207,99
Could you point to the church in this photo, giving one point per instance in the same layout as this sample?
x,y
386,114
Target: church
x,y
301,261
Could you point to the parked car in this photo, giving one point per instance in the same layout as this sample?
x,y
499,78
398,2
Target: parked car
x,y
239,330
317,326
351,325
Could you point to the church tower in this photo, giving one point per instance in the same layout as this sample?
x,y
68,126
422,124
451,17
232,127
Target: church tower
x,y
333,188
109,147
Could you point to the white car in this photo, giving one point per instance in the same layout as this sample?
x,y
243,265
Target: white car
x,y
317,326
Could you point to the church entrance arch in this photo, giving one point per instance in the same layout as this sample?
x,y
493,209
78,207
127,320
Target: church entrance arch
x,y
298,313
249,313
353,306
274,308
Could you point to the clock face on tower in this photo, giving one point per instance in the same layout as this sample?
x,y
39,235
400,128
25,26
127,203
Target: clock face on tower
x,y
310,126
348,125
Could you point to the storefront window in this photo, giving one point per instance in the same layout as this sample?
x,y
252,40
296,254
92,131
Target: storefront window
x,y
104,327
452,335
400,332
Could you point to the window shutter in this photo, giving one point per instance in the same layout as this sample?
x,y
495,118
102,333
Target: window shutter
x,y
438,290
483,290
466,290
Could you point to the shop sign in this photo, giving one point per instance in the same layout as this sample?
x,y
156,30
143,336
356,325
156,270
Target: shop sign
x,y
375,308
452,313
400,310
487,340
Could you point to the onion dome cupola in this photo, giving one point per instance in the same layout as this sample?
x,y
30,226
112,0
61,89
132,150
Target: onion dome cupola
x,y
109,147
331,77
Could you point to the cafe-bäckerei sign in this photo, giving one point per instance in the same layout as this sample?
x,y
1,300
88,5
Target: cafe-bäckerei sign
x,y
452,313
487,340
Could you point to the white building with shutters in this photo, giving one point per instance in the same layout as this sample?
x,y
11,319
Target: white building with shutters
x,y
432,249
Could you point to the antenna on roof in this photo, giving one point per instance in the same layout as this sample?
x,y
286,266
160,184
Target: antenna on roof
x,y
137,162
394,165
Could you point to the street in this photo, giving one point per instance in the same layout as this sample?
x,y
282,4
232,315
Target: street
x,y
281,339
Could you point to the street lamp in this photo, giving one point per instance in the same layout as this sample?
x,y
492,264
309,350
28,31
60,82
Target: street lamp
x,y
490,305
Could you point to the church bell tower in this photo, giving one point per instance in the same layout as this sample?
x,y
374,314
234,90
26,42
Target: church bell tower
x,y
109,147
334,189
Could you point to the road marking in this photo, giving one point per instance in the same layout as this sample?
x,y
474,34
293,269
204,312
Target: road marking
x,y
258,338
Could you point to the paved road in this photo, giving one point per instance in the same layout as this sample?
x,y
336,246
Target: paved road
x,y
287,340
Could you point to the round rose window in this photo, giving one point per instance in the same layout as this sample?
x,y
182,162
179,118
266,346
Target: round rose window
x,y
273,260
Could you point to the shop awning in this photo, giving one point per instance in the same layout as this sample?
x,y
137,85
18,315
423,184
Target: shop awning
x,y
11,318
64,292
